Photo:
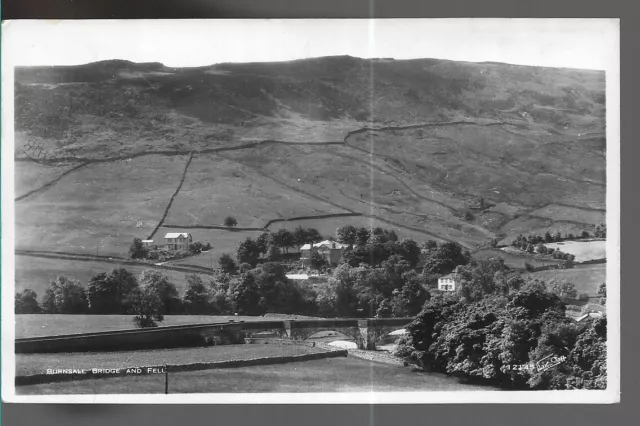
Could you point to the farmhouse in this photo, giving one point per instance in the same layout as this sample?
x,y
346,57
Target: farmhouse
x,y
178,241
330,250
447,283
147,243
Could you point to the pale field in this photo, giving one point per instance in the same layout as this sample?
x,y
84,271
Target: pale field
x,y
586,278
583,250
557,212
30,175
215,188
97,209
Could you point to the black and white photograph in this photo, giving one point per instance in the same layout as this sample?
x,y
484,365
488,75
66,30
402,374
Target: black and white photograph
x,y
311,211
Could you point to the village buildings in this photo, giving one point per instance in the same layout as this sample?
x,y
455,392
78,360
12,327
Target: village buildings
x,y
330,250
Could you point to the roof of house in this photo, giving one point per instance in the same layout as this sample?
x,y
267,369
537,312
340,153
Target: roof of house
x,y
147,241
326,243
177,235
449,276
589,315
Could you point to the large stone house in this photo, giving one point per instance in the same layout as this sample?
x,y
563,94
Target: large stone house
x,y
177,241
330,250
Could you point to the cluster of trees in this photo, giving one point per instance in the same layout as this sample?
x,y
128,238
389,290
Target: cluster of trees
x,y
392,289
373,247
137,250
535,244
270,245
148,296
500,339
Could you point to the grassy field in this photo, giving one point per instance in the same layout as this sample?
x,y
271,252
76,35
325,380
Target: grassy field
x,y
38,363
348,374
222,241
30,175
512,260
37,273
333,173
527,225
583,250
556,212
90,211
586,278
206,198
47,325
489,161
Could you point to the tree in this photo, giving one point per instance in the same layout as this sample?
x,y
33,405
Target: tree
x,y
445,258
137,250
147,306
227,264
195,248
244,295
313,236
317,261
65,296
562,288
273,253
362,236
248,251
602,290
557,236
299,237
409,300
262,242
410,251
481,202
347,234
110,293
102,296
230,222
429,245
125,283
585,234
283,239
27,302
163,288
547,237
196,296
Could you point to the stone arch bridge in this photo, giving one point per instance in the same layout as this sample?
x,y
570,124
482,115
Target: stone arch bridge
x,y
365,332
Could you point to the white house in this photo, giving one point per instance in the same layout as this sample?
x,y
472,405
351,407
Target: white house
x,y
330,250
147,243
447,283
178,241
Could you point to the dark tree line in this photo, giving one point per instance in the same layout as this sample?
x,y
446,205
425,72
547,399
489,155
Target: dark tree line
x,y
499,339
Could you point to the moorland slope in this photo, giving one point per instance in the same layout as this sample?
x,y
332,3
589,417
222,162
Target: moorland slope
x,y
112,150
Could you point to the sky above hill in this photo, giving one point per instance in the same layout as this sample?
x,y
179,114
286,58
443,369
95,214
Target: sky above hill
x,y
571,43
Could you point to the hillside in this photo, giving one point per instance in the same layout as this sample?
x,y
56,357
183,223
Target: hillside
x,y
112,150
